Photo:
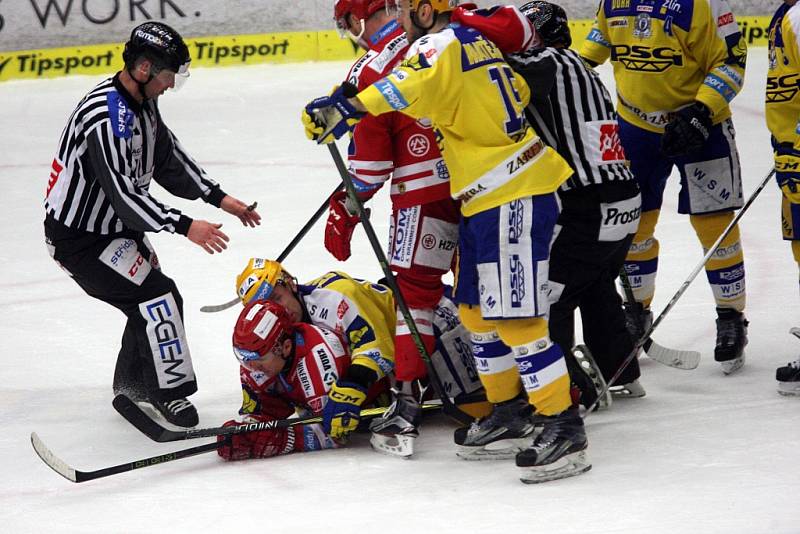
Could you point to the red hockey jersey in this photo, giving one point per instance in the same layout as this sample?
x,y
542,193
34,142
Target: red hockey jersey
x,y
320,358
393,145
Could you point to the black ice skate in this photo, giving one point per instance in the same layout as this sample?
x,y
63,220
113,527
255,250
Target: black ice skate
x,y
788,376
394,433
500,435
638,320
731,339
558,452
631,390
179,412
590,373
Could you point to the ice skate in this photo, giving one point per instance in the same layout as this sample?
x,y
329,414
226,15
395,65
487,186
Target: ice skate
x,y
558,452
638,321
631,390
394,433
731,339
179,412
592,372
500,435
788,376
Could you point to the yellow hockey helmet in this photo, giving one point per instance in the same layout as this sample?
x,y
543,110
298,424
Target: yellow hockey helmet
x,y
259,278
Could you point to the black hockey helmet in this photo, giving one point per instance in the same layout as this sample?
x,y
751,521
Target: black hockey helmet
x,y
160,44
550,21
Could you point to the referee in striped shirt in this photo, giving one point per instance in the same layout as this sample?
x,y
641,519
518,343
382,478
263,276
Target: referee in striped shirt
x,y
98,208
600,203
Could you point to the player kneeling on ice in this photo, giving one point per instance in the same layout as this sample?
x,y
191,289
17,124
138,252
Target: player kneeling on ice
x,y
286,367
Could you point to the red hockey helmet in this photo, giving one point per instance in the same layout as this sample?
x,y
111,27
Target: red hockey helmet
x,y
359,9
260,327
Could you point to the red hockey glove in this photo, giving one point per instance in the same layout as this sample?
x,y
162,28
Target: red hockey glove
x,y
259,444
339,228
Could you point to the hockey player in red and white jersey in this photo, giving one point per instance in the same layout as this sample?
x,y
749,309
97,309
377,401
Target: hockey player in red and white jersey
x,y
424,226
284,367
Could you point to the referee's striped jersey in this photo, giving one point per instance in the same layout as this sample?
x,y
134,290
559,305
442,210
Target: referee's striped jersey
x,y
572,110
109,151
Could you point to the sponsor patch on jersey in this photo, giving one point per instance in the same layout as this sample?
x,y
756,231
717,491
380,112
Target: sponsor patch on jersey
x,y
643,26
123,256
720,86
168,346
305,380
404,237
618,219
325,364
603,146
120,114
391,94
418,145
596,36
389,54
437,244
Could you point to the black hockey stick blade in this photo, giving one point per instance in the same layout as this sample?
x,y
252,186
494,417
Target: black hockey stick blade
x,y
75,475
151,428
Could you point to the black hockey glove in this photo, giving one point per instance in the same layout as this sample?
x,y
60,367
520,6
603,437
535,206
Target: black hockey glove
x,y
687,132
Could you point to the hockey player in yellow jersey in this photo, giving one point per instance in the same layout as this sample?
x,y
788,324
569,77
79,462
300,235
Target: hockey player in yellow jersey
x,y
783,121
677,65
362,313
506,178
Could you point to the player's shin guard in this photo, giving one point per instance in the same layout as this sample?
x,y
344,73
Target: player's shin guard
x,y
641,263
540,363
725,269
494,360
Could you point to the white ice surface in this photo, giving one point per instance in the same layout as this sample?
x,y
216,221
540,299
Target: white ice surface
x,y
701,453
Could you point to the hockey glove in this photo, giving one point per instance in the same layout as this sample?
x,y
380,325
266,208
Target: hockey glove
x,y
687,132
340,226
342,411
330,117
787,172
259,444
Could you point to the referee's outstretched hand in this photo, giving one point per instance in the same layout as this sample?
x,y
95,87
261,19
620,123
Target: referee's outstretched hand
x,y
208,236
247,214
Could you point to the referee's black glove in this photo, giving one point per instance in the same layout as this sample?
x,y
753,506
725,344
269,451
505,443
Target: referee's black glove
x,y
687,132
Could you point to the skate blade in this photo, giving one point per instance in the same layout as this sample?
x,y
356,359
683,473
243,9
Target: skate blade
x,y
629,391
567,466
789,389
731,366
398,445
506,449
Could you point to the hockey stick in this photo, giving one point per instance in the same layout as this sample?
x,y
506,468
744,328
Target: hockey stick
x,y
293,243
679,359
75,475
699,267
450,409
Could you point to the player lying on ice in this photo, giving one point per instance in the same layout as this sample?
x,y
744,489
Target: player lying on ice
x,y
362,314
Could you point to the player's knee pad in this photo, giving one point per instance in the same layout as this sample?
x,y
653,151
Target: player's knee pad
x,y
725,269
544,375
497,369
515,332
472,319
641,263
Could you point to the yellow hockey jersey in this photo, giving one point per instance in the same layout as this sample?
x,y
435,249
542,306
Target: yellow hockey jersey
x,y
361,312
667,54
459,81
783,78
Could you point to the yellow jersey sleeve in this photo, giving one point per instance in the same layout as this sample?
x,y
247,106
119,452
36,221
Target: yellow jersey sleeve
x,y
597,48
